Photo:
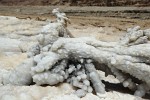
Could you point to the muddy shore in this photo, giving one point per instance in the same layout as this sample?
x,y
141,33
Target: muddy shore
x,y
119,12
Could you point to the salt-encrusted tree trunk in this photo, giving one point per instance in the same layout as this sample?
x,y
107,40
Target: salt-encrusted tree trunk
x,y
129,56
57,58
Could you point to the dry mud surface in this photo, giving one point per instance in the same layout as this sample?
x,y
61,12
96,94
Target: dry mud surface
x,y
17,35
92,11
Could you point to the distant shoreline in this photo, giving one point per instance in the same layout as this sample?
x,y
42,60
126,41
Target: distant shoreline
x,y
95,11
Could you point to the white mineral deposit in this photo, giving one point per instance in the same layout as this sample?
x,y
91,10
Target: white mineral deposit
x,y
61,67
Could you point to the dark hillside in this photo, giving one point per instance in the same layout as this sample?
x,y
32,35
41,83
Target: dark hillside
x,y
77,2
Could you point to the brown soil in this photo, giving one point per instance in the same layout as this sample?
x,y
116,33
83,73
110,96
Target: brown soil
x,y
117,12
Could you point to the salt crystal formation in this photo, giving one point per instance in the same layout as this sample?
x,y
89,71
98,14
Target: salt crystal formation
x,y
58,58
